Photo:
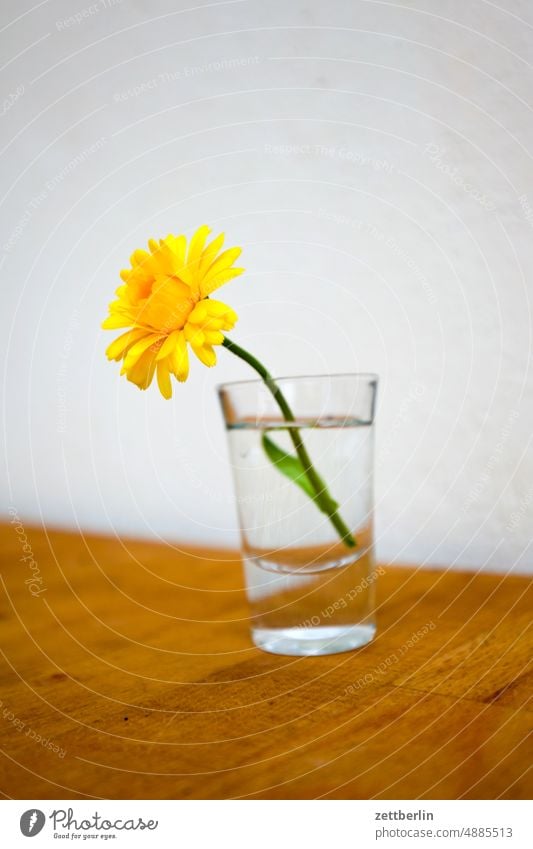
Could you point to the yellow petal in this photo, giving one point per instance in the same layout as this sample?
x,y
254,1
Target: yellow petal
x,y
230,320
210,252
179,359
210,285
138,257
178,246
223,315
211,315
142,372
170,261
217,308
199,313
115,321
213,337
205,354
138,349
212,324
116,350
222,263
193,334
168,345
196,246
163,379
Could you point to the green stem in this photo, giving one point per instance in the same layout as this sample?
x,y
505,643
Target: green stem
x,y
323,497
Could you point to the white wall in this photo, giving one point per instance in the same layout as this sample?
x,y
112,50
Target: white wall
x,y
374,160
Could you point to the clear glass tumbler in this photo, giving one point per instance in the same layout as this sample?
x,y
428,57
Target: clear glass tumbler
x,y
311,590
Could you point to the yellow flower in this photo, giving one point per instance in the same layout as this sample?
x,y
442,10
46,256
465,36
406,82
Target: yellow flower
x,y
166,303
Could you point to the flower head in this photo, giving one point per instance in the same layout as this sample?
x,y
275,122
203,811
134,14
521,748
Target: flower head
x,y
165,302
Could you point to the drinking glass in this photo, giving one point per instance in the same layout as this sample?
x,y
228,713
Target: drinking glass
x,y
310,590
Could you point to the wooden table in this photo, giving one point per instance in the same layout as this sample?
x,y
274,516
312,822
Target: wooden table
x,y
129,673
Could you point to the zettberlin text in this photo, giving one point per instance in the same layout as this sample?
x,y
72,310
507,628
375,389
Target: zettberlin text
x,y
404,815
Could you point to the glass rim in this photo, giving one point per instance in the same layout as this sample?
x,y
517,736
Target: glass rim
x,y
373,376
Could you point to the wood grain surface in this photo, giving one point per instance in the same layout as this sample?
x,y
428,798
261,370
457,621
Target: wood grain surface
x,y
127,672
